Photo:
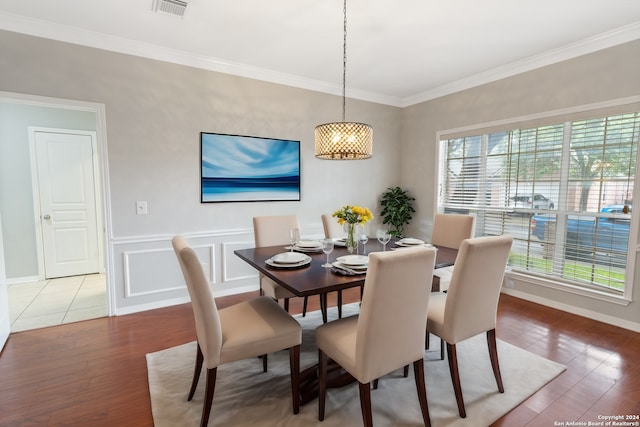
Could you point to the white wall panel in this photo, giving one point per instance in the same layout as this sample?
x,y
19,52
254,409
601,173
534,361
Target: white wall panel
x,y
147,275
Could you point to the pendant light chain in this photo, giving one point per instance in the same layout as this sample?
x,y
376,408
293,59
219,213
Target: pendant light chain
x,y
344,140
344,64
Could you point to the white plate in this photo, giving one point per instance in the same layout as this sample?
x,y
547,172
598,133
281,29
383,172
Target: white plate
x,y
353,260
362,267
307,250
349,269
340,241
289,258
293,265
410,241
401,246
308,244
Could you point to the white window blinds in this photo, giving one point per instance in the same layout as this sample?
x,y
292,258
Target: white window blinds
x,y
564,191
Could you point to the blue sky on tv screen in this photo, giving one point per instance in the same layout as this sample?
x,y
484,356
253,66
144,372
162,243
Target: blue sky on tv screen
x,y
230,156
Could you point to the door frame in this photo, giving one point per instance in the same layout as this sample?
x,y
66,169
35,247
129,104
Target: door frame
x,y
35,189
101,161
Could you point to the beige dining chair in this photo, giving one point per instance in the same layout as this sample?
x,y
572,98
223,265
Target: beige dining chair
x,y
471,303
332,230
271,231
248,329
449,230
388,334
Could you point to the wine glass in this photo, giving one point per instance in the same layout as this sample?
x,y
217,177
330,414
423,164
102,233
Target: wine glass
x,y
383,236
327,248
363,238
294,236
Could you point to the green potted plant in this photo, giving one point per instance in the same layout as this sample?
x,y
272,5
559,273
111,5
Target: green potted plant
x,y
397,209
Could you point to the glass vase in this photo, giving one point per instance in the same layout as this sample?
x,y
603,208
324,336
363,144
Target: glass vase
x,y
351,240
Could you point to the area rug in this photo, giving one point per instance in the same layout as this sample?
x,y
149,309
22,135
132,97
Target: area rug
x,y
245,396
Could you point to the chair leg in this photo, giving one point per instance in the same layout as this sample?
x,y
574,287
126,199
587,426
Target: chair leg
x,y
441,349
208,396
322,383
365,404
455,378
196,372
340,304
375,384
304,306
418,370
264,362
294,366
493,355
286,305
427,335
405,371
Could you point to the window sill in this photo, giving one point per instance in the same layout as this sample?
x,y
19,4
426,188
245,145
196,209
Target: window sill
x,y
565,287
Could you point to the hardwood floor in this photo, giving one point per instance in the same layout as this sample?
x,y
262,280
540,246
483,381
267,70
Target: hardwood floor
x,y
93,373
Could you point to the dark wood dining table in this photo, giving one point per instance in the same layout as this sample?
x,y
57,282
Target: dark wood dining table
x,y
313,279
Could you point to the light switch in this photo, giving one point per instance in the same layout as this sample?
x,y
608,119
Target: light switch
x,y
141,208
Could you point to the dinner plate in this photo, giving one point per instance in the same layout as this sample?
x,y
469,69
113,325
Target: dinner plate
x,y
410,241
348,270
272,263
308,244
353,260
340,241
289,258
424,245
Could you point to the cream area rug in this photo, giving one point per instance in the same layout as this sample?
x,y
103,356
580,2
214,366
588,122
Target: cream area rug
x,y
245,396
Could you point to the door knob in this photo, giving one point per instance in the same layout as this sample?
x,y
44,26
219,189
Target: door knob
x,y
46,217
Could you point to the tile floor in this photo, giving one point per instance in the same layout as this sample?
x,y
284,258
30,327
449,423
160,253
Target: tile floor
x,y
56,301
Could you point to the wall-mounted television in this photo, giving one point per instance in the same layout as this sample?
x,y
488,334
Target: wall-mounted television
x,y
238,168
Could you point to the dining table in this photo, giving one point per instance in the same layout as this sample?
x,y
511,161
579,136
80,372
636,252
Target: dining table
x,y
314,279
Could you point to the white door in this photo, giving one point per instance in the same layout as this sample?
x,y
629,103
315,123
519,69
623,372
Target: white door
x,y
5,321
67,201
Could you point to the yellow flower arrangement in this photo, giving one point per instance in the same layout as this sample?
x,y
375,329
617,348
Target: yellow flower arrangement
x,y
353,215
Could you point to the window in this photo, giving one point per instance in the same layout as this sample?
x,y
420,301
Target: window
x,y
563,190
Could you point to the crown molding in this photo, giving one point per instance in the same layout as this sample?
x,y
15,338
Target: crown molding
x,y
601,41
74,35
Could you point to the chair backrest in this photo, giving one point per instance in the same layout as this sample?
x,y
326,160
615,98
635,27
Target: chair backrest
x,y
332,230
449,230
205,311
393,315
273,230
472,299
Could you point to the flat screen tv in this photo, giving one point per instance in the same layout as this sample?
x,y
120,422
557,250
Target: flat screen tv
x,y
237,168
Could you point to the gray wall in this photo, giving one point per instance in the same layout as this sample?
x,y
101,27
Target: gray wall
x,y
595,78
155,112
16,196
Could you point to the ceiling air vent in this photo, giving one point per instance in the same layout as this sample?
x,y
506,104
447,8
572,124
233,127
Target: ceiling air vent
x,y
173,7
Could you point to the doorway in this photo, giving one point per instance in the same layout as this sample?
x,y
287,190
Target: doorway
x,y
64,188
56,114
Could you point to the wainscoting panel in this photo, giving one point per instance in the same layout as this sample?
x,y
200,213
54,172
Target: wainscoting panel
x,y
147,275
234,269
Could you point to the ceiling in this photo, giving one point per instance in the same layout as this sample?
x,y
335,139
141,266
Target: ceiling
x,y
398,52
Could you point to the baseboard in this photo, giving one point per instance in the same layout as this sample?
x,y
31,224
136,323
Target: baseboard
x,y
615,321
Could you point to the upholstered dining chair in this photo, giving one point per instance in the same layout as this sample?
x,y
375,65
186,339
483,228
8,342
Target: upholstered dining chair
x,y
388,334
449,230
471,303
270,231
248,329
332,230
